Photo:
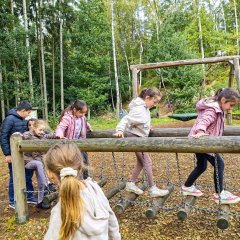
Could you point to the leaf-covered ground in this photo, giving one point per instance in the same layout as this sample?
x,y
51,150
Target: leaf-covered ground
x,y
133,222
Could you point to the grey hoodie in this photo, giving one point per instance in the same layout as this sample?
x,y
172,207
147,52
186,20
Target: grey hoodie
x,y
138,120
99,221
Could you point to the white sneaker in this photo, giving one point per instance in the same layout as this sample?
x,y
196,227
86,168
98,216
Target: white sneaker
x,y
131,187
157,192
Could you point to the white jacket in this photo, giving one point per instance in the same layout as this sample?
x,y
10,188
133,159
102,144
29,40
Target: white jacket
x,y
99,221
138,120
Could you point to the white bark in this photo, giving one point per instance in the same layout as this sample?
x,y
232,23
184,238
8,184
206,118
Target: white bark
x,y
115,63
1,93
43,67
61,62
28,49
236,26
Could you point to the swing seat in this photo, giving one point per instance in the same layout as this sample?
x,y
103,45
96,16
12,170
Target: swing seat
x,y
184,116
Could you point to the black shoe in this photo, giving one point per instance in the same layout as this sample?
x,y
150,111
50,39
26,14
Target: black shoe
x,y
51,187
43,205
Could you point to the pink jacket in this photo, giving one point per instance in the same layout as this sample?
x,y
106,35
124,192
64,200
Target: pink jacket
x,y
210,118
66,127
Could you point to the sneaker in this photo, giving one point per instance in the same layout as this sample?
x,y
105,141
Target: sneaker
x,y
11,205
157,192
191,191
50,188
131,187
43,205
32,200
226,198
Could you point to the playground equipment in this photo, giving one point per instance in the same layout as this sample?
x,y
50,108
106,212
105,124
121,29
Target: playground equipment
x,y
152,144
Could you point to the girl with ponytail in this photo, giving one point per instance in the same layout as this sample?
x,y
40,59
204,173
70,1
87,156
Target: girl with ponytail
x,y
83,211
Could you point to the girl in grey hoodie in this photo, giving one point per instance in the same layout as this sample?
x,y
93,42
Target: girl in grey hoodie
x,y
138,124
83,212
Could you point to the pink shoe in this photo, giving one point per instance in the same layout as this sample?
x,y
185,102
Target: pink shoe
x,y
191,191
226,198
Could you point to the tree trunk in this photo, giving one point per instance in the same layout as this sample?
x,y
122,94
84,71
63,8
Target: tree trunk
x,y
53,80
28,49
115,64
61,59
1,92
236,26
43,66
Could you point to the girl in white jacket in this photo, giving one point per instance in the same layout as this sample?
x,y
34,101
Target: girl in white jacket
x,y
83,211
138,123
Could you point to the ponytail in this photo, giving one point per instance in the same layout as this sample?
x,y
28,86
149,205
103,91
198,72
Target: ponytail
x,y
72,206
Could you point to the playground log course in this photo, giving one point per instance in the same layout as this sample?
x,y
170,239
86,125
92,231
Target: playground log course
x,y
184,212
126,202
223,217
113,191
54,195
230,144
162,132
158,203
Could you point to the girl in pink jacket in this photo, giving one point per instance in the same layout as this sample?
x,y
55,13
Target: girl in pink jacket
x,y
210,122
73,125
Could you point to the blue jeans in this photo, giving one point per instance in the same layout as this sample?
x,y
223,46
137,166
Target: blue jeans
x,y
29,174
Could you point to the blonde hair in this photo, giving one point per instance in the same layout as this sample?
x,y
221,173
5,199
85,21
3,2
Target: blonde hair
x,y
72,205
39,122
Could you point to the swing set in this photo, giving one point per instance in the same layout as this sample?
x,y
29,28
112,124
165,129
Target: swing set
x,y
233,61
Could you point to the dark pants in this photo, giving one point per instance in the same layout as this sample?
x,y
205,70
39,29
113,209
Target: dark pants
x,y
202,159
85,161
29,174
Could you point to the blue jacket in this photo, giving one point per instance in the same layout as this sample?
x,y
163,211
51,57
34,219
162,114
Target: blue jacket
x,y
11,124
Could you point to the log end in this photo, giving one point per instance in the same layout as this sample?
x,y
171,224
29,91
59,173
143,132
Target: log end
x,y
150,213
222,223
182,215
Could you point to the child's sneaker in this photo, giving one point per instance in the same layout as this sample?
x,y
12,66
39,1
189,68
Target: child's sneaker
x,y
43,205
11,205
157,192
131,187
191,191
226,198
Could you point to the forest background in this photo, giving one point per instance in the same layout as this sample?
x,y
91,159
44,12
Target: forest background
x,y
55,51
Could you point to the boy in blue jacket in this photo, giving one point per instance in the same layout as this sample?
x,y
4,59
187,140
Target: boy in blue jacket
x,y
15,122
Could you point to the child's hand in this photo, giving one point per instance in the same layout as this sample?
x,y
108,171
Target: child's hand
x,y
200,134
119,134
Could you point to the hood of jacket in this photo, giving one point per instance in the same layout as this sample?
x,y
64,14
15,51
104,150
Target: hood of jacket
x,y
208,103
14,113
137,102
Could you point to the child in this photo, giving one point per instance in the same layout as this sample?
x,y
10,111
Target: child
x,y
34,160
137,123
210,122
83,211
73,125
30,123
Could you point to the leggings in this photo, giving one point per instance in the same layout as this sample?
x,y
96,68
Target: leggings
x,y
202,159
41,176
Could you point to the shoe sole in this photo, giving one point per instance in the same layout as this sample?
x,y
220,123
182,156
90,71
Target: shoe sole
x,y
128,190
191,194
31,202
227,202
12,207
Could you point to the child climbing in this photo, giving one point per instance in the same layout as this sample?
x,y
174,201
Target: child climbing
x,y
137,124
210,122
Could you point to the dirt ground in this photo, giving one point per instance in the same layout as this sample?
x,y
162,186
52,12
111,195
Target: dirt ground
x,y
201,224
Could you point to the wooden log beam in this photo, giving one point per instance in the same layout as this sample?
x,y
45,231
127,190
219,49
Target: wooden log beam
x,y
113,191
223,217
183,62
181,145
102,182
186,209
157,204
162,132
120,207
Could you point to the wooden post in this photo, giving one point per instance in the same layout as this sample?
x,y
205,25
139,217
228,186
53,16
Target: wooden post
x,y
112,192
120,207
102,182
135,82
158,203
223,217
186,209
236,72
19,180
